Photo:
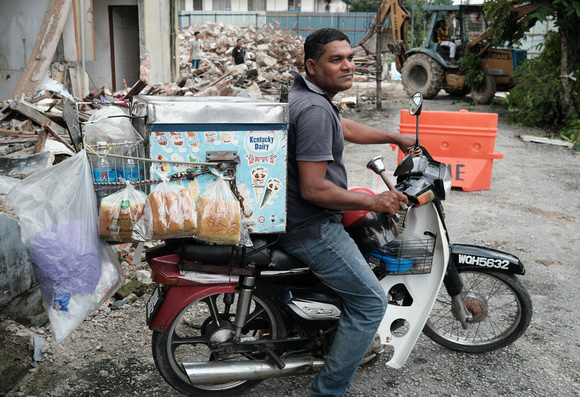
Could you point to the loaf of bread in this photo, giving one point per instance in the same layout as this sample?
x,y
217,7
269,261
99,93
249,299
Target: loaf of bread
x,y
172,212
218,220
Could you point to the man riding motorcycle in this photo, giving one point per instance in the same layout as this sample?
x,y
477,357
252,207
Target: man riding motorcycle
x,y
318,196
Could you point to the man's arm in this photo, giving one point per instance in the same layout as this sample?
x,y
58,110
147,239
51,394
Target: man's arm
x,y
315,188
363,134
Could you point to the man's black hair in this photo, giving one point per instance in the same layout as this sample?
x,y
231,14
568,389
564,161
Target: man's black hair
x,y
196,33
315,42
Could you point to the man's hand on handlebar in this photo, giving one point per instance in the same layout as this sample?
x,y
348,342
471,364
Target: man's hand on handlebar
x,y
388,202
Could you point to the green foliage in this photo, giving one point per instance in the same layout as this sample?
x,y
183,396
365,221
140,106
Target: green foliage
x,y
571,132
363,6
535,99
499,15
470,65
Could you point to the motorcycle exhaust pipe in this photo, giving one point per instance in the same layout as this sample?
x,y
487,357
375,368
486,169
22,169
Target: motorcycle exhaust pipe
x,y
216,372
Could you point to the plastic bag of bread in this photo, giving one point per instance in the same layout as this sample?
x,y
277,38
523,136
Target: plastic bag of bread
x,y
169,212
120,212
218,214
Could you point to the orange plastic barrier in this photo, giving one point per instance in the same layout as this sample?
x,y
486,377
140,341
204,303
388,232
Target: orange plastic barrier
x,y
464,141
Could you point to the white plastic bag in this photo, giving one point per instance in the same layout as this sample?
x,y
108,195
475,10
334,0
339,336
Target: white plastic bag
x,y
58,213
110,124
119,212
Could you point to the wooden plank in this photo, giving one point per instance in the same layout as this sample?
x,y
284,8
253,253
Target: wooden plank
x,y
536,139
34,115
46,42
39,147
136,89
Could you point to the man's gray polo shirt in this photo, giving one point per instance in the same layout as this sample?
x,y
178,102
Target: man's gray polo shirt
x,y
314,134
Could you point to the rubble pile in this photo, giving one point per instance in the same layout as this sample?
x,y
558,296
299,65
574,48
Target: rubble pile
x,y
271,55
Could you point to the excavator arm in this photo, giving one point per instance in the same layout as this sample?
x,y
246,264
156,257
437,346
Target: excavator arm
x,y
393,22
521,12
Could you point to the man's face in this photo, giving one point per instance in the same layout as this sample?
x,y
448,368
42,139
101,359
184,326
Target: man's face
x,y
239,43
333,71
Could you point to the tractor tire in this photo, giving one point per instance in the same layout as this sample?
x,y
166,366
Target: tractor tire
x,y
484,95
423,74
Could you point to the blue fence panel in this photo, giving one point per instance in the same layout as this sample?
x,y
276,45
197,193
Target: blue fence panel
x,y
354,24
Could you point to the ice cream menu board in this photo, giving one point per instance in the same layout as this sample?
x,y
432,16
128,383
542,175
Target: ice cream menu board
x,y
261,176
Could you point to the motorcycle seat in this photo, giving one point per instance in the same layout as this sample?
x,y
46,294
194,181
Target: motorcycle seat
x,y
264,252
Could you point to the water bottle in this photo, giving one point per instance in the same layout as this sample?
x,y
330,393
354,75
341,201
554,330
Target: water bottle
x,y
103,170
130,170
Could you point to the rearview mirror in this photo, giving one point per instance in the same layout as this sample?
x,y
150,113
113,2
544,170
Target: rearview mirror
x,y
415,104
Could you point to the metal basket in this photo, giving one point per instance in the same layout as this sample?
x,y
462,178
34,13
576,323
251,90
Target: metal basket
x,y
412,256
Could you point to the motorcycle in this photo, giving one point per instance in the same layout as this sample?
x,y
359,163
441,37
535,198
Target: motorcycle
x,y
225,318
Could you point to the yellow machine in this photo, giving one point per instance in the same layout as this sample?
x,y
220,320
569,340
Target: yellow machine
x,y
427,69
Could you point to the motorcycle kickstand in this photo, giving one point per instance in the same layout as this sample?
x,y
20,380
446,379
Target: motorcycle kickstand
x,y
460,312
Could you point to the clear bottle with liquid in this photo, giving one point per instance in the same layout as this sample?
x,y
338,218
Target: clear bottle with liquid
x,y
103,170
130,168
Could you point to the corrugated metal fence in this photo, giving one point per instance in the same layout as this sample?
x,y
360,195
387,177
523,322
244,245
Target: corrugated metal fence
x,y
354,24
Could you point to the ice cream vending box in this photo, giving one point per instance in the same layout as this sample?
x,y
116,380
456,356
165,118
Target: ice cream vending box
x,y
182,130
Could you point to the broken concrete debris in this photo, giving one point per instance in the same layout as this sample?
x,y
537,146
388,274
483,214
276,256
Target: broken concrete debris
x,y
271,56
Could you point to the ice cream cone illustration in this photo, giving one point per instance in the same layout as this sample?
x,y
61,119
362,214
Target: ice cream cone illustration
x,y
161,140
194,188
178,167
193,140
259,175
177,139
210,137
272,188
162,167
226,136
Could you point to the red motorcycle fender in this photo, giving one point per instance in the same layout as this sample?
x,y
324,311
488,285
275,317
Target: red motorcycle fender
x,y
176,298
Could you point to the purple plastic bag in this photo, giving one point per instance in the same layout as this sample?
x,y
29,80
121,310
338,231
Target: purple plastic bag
x,y
67,259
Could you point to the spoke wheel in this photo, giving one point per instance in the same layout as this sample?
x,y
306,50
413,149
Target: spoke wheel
x,y
199,328
501,308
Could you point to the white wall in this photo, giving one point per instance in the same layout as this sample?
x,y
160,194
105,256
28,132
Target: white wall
x,y
20,23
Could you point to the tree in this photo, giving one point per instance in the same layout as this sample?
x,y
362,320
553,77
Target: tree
x,y
567,19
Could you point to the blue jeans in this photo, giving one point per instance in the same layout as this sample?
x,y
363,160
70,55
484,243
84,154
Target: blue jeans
x,y
195,64
336,260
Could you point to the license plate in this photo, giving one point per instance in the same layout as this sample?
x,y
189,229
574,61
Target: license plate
x,y
154,303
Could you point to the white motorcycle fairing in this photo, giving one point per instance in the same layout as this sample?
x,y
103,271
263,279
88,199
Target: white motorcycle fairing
x,y
423,288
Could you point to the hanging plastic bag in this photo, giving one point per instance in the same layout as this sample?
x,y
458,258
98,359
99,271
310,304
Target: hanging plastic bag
x,y
58,216
119,212
169,212
218,214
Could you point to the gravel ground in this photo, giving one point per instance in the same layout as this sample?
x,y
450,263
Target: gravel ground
x,y
532,211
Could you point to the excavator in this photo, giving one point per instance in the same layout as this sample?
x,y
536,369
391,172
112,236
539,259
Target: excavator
x,y
428,68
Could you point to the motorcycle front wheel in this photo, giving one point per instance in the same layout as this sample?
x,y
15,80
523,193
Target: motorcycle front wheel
x,y
501,307
203,324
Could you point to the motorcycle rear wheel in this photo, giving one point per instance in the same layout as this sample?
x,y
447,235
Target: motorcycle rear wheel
x,y
188,337
501,307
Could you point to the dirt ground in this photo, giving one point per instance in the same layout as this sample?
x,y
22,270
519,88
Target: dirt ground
x,y
532,210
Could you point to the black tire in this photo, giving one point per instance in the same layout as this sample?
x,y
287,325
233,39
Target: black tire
x,y
501,307
423,74
484,95
458,92
196,322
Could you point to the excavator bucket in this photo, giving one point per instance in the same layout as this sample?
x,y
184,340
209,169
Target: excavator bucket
x,y
370,42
